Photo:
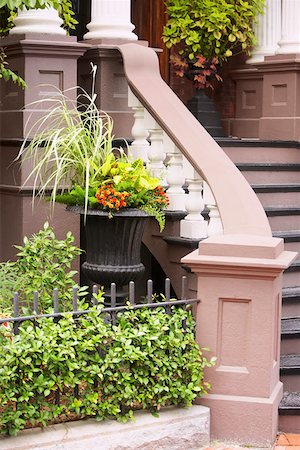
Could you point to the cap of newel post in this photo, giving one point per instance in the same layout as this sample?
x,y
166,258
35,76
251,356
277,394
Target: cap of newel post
x,y
239,251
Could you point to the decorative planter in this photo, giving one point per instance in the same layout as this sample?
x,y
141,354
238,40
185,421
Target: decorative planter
x,y
113,246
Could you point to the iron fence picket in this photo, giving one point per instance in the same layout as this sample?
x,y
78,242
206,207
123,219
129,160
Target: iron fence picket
x,y
112,310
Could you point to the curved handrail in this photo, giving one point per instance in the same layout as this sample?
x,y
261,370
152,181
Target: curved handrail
x,y
240,209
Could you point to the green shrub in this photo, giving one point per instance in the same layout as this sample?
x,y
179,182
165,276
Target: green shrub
x,y
44,263
147,360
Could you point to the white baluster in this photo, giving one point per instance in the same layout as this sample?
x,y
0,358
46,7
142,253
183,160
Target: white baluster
x,y
157,155
175,180
290,42
193,226
267,31
140,146
215,226
38,21
111,20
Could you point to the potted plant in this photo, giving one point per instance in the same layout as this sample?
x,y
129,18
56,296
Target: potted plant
x,y
205,33
74,159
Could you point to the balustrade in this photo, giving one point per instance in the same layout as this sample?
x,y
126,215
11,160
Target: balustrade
x,y
166,162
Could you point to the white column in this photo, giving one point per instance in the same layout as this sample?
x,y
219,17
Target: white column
x,y
267,31
290,41
111,20
38,21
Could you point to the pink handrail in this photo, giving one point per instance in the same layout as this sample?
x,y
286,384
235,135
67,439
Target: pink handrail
x,y
240,209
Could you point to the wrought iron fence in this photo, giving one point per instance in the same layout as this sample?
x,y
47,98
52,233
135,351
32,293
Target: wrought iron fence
x,y
111,312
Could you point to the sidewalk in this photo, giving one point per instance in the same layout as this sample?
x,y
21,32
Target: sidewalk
x,y
284,441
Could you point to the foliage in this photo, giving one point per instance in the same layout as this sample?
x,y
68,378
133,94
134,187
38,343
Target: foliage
x,y
8,74
206,33
43,263
122,184
72,150
147,360
8,10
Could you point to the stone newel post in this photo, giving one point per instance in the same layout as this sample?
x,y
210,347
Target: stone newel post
x,y
111,20
239,285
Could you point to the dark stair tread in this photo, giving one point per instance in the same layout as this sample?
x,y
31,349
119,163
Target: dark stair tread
x,y
291,294
256,167
270,188
254,142
290,364
288,236
294,267
290,327
272,211
290,403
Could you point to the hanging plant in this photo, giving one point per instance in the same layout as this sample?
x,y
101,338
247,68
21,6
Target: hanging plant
x,y
205,33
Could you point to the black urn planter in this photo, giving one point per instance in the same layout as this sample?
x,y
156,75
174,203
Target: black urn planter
x,y
113,246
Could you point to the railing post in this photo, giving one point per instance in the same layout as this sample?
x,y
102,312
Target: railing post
x,y
156,154
215,226
175,180
267,31
193,226
111,20
140,146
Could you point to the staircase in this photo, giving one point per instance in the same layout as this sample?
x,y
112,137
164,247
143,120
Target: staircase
x,y
273,170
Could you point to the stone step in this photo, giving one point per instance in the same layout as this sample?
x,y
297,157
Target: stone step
x,y
270,173
290,403
278,194
290,335
284,218
249,150
290,365
291,276
291,301
289,412
291,239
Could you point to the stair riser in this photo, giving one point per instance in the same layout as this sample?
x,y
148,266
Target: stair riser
x,y
290,346
291,310
265,177
263,154
291,383
285,223
291,279
289,424
292,246
279,198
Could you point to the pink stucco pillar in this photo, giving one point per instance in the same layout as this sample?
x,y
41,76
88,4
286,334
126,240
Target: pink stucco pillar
x,y
239,285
